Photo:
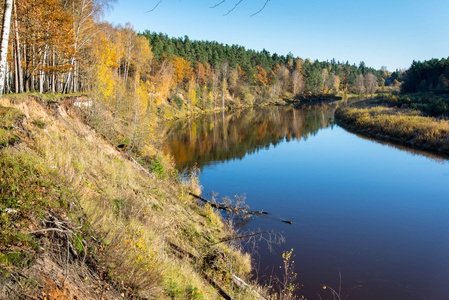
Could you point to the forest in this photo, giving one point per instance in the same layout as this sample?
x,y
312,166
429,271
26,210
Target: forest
x,y
428,76
60,46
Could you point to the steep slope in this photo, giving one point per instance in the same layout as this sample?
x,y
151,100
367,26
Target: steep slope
x,y
79,219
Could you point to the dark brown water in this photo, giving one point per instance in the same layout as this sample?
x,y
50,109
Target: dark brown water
x,y
376,213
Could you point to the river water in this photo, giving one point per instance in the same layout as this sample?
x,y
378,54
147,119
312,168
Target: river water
x,y
369,216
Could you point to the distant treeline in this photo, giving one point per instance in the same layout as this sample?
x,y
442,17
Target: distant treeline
x,y
261,68
427,76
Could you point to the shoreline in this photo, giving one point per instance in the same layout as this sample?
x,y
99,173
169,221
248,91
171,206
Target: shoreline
x,y
405,127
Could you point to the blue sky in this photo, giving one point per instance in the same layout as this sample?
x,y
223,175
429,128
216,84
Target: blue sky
x,y
381,33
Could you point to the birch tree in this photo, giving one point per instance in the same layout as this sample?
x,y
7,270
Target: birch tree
x,y
370,83
359,84
6,25
297,82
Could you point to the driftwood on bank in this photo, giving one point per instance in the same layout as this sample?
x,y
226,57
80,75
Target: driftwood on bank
x,y
235,209
243,285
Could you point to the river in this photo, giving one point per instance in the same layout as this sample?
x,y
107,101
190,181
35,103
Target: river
x,y
369,216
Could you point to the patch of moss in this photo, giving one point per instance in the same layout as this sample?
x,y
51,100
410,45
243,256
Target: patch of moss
x,y
9,116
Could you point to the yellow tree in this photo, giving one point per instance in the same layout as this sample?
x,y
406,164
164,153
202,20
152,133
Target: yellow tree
x,y
182,70
192,93
160,81
83,30
104,80
200,73
44,27
261,76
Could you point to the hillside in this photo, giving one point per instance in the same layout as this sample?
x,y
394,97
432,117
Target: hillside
x,y
81,220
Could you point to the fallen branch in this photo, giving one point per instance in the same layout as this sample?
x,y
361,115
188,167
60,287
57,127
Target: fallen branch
x,y
229,208
237,209
182,251
217,287
49,229
239,237
140,166
68,258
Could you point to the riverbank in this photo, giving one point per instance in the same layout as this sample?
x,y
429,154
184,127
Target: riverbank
x,y
81,218
382,119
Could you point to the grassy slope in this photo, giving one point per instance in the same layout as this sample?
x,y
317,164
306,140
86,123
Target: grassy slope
x,y
77,218
408,126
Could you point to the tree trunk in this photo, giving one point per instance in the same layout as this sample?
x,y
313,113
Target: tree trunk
x,y
53,78
42,72
16,75
18,58
75,77
6,24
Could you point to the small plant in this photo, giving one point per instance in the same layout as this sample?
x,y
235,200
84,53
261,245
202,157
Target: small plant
x,y
157,168
194,293
287,285
39,123
173,290
120,205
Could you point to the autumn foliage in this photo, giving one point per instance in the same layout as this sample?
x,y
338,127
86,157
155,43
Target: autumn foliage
x,y
133,79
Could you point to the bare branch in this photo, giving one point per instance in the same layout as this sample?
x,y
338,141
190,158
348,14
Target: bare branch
x,y
235,6
151,10
239,237
218,4
263,7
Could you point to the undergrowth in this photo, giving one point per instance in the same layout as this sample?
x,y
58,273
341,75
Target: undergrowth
x,y
127,219
432,104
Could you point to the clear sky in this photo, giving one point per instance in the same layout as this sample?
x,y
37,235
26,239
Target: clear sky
x,y
380,33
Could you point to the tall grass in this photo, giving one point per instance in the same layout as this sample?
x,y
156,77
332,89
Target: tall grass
x,y
402,125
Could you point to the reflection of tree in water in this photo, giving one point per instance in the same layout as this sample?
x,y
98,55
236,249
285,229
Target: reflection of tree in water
x,y
440,158
218,137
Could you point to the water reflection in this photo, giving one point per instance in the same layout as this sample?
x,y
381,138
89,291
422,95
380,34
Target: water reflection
x,y
220,137
223,137
374,214
440,158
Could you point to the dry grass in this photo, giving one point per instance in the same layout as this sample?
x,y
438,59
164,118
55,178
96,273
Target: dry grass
x,y
133,215
401,125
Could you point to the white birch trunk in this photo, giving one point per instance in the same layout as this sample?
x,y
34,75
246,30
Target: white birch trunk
x,y
6,25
